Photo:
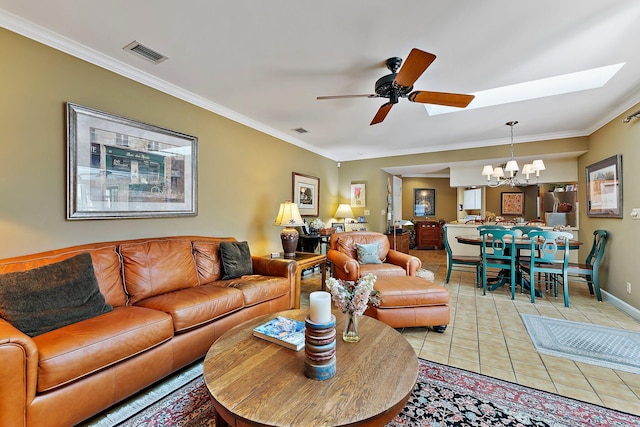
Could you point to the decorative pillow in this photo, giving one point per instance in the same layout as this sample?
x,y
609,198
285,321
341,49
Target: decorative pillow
x,y
52,296
368,253
236,259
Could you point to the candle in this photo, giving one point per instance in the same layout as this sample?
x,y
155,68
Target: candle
x,y
320,305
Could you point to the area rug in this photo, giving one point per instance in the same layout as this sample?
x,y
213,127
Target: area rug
x,y
585,342
443,396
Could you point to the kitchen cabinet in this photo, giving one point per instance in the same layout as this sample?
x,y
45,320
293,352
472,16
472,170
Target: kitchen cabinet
x,y
472,199
429,235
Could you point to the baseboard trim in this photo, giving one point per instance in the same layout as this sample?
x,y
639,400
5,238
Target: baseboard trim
x,y
617,302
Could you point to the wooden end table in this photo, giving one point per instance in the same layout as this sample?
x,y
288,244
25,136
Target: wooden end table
x,y
254,382
305,260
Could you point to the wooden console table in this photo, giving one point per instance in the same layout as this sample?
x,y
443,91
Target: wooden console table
x,y
429,235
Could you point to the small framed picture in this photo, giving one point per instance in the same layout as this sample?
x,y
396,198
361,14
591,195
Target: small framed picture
x,y
338,226
361,219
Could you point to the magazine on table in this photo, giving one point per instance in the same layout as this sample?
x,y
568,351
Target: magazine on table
x,y
281,330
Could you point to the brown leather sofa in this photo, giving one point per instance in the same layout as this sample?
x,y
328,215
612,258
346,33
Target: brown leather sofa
x,y
169,306
343,256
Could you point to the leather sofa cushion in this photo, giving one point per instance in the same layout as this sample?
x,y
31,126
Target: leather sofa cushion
x,y
156,267
207,256
256,288
347,243
192,307
106,266
410,291
384,269
79,349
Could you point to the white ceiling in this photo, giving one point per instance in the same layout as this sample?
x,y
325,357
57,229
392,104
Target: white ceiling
x,y
263,63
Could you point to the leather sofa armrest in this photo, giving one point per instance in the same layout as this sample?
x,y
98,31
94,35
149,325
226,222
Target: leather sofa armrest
x,y
344,267
278,267
18,374
410,263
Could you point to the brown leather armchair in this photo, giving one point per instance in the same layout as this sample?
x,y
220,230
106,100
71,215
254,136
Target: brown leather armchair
x,y
343,256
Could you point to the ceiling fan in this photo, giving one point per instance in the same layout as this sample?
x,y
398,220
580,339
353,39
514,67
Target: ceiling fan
x,y
399,84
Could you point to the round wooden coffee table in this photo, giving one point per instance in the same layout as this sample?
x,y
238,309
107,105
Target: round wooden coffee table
x,y
257,383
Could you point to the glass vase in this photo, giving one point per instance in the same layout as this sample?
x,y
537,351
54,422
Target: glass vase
x,y
351,332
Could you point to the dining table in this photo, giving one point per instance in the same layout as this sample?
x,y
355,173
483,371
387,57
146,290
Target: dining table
x,y
521,243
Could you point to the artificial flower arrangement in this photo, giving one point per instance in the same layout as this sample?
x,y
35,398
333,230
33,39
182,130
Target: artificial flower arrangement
x,y
354,297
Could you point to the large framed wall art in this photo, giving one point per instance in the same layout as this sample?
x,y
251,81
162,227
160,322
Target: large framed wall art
x,y
306,193
424,201
121,168
604,188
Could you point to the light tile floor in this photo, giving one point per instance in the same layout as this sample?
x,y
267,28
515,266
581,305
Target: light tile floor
x,y
486,335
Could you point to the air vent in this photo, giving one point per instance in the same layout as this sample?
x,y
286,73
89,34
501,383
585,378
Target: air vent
x,y
300,130
145,52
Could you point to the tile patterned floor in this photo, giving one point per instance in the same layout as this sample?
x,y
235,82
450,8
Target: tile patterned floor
x,y
486,335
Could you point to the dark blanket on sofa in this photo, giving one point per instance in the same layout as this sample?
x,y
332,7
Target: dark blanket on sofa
x,y
52,296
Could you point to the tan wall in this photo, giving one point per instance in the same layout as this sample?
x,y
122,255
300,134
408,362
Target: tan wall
x,y
621,262
243,174
446,197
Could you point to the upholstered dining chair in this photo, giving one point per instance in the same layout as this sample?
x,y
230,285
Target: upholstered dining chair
x,y
498,251
463,263
590,269
549,255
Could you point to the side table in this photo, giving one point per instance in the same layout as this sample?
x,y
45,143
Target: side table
x,y
305,260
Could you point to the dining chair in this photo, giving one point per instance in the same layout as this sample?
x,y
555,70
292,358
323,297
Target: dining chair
x,y
463,263
591,267
549,255
498,251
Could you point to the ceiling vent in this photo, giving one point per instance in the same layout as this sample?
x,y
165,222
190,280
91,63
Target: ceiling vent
x,y
145,52
300,130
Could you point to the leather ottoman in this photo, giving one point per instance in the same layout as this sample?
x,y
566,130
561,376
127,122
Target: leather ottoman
x,y
411,301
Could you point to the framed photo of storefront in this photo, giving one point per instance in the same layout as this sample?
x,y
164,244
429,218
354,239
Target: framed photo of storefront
x,y
122,168
604,188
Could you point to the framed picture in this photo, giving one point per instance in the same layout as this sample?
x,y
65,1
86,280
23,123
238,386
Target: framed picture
x,y
512,204
424,202
362,219
306,193
338,226
604,188
358,195
121,168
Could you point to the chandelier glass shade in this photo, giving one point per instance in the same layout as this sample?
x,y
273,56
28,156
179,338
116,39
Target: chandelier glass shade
x,y
496,176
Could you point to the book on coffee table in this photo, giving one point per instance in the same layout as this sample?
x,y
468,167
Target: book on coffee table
x,y
281,330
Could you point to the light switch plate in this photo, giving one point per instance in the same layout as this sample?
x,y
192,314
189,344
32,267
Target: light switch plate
x,y
367,212
635,213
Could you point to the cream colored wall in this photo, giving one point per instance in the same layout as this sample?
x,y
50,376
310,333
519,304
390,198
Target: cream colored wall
x,y
243,174
621,255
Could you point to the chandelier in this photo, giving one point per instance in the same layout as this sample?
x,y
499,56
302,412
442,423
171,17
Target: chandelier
x,y
496,176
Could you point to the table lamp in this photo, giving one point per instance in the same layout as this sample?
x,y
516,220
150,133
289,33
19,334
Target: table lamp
x,y
289,217
343,212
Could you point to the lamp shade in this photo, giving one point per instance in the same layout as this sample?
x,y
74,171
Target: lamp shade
x,y
511,166
289,215
344,211
538,165
498,172
488,171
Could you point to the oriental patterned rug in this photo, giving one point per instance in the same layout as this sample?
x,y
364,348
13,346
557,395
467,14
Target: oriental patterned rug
x,y
443,396
612,348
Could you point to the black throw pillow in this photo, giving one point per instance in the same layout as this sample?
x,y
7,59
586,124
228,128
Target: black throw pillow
x,y
236,259
52,296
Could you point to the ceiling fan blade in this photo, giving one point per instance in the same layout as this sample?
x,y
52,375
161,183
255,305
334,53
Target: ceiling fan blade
x,y
347,96
381,114
413,67
441,98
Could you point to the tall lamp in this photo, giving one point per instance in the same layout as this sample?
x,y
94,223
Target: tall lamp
x,y
343,212
289,217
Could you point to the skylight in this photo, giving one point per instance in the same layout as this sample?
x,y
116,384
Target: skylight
x,y
558,85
